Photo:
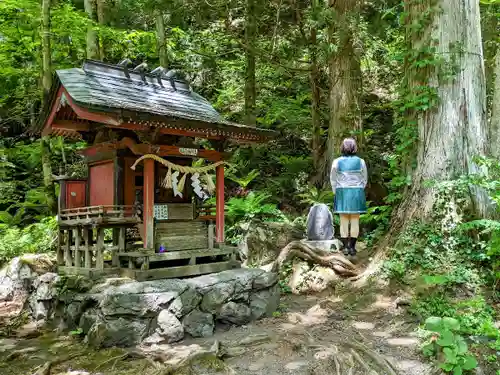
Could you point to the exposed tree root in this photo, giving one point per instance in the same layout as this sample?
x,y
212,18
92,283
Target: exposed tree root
x,y
46,368
379,360
298,249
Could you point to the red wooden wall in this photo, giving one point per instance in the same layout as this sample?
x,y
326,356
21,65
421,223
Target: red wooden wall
x,y
75,194
102,184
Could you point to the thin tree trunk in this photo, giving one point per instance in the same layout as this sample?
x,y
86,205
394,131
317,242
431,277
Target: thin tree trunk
x,y
345,82
495,111
92,42
450,135
102,21
162,43
315,104
50,190
250,85
46,57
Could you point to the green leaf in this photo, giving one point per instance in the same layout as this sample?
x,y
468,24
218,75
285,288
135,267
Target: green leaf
x,y
470,363
428,350
447,366
450,355
462,346
451,324
446,339
433,323
457,370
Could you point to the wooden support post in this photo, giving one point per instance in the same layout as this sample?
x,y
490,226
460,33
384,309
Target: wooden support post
x,y
145,264
122,238
211,235
149,196
60,244
99,258
77,255
219,203
87,237
67,252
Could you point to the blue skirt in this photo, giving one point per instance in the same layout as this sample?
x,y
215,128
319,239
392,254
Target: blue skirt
x,y
350,201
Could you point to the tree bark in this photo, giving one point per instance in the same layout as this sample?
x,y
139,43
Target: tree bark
x,y
495,111
161,41
345,82
50,190
315,104
250,84
101,13
92,41
455,131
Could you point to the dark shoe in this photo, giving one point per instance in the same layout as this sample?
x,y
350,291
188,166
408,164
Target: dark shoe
x,y
345,243
352,246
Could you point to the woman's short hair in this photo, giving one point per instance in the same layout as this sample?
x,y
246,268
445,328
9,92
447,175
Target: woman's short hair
x,y
348,147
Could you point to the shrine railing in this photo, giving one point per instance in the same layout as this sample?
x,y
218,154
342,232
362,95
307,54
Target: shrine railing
x,y
95,215
206,212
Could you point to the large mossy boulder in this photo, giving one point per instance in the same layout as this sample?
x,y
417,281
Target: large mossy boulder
x,y
263,242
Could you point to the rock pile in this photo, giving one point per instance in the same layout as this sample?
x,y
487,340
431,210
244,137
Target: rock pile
x,y
123,312
27,286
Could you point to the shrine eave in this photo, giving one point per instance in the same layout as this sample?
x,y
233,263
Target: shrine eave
x,y
110,95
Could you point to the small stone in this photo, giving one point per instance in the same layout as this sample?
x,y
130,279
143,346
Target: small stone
x,y
295,365
169,327
236,313
218,294
265,280
363,325
185,302
117,332
265,302
199,324
403,341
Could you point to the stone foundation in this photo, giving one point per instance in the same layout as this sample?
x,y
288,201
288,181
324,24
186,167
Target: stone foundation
x,y
123,312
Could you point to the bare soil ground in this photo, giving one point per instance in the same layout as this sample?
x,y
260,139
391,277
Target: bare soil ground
x,y
340,331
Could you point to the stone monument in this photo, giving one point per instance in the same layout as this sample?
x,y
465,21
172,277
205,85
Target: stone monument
x,y
320,227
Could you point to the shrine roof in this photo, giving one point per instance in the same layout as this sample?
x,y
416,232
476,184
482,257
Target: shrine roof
x,y
146,99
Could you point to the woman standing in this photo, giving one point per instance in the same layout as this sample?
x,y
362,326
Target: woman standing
x,y
348,178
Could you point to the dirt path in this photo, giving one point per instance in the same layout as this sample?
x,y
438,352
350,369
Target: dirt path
x,y
309,335
311,331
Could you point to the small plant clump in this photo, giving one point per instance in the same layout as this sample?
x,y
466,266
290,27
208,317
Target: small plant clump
x,y
448,346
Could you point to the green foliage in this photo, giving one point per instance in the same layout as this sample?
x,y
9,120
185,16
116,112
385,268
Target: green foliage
x,y
242,212
448,346
312,195
34,238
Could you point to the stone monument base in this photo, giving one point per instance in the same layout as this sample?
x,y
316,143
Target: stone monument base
x,y
328,245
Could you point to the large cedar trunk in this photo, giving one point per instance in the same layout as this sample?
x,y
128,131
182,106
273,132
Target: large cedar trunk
x,y
250,90
453,132
92,41
50,190
345,82
495,111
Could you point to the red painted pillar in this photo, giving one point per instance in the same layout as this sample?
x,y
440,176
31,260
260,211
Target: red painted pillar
x,y
149,201
219,204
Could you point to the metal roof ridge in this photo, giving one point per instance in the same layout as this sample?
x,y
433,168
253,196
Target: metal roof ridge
x,y
118,72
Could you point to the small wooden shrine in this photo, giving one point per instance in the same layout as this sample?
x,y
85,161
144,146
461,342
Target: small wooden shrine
x,y
140,210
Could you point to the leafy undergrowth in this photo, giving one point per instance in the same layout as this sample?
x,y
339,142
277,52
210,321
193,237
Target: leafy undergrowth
x,y
35,238
451,265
